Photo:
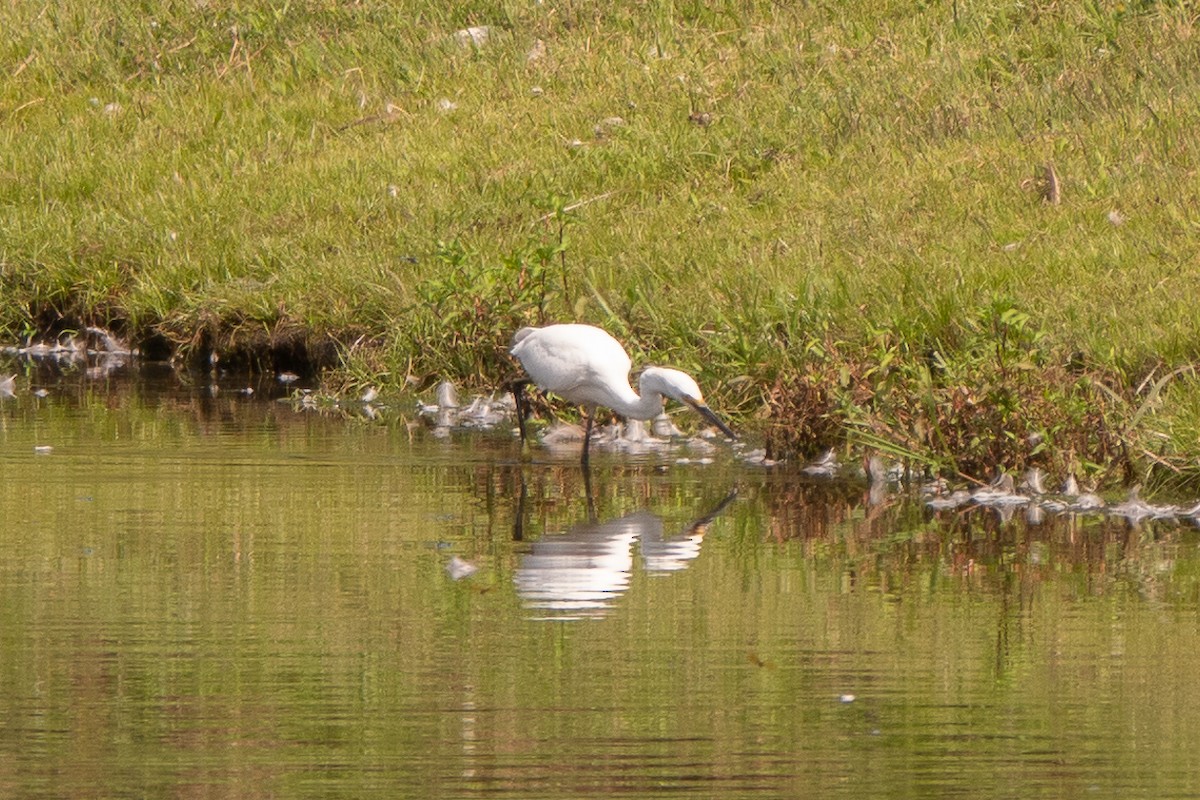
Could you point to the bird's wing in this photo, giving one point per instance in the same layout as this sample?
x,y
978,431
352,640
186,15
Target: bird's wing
x,y
566,359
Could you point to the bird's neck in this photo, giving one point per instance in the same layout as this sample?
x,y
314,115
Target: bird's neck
x,y
632,406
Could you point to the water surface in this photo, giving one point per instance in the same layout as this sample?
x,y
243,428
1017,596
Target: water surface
x,y
228,596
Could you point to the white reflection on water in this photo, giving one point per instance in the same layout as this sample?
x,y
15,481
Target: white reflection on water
x,y
579,574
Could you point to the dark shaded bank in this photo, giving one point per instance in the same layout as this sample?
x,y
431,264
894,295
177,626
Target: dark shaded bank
x,y
237,345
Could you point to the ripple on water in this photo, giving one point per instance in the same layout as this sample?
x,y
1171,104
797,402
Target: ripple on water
x,y
232,596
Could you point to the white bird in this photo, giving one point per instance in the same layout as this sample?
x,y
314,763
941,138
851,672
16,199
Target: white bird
x,y
585,365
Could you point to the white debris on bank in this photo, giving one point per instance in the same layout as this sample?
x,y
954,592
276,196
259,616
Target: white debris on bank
x,y
1004,494
97,349
634,437
92,341
446,413
826,466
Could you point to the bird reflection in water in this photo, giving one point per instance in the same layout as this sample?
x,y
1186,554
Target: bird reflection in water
x,y
579,574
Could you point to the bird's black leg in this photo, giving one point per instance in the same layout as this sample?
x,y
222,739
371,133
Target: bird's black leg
x,y
590,413
517,387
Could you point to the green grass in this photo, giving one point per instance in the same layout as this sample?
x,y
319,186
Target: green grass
x,y
794,190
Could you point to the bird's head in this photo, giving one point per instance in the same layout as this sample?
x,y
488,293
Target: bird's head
x,y
683,388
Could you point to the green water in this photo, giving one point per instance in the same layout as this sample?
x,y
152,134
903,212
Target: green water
x,y
227,597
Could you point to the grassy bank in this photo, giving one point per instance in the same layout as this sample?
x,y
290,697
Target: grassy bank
x,y
967,231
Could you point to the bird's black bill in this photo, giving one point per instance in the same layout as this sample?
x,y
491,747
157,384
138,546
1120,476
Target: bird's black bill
x,y
712,417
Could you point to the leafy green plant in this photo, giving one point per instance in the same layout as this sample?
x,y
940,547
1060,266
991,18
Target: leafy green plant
x,y
466,315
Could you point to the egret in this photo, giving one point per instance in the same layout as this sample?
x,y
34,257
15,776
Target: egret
x,y
587,366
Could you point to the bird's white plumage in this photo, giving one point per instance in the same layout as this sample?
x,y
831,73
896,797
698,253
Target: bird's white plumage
x,y
585,365
579,363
